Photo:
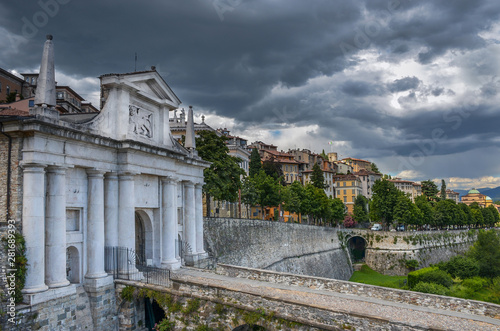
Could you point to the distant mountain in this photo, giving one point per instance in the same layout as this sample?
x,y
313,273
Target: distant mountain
x,y
493,193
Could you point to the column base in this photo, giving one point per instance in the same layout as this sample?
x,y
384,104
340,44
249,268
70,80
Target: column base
x,y
51,294
59,284
41,288
91,284
171,265
96,276
191,259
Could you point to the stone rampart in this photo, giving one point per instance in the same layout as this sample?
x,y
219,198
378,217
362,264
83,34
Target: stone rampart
x,y
395,295
297,248
387,252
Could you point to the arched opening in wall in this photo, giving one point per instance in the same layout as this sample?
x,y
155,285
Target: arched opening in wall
x,y
246,327
73,265
143,238
154,313
357,247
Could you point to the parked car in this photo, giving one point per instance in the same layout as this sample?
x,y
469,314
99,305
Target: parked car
x,y
400,227
376,227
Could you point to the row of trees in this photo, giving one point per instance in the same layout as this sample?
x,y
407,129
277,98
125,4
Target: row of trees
x,y
265,187
391,206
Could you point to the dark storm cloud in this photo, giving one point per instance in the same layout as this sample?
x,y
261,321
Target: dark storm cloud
x,y
404,84
261,61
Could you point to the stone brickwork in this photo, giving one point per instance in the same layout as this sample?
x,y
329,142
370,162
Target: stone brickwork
x,y
297,248
192,306
346,287
386,252
16,184
79,311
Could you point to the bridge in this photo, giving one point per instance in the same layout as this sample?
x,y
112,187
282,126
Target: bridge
x,y
234,298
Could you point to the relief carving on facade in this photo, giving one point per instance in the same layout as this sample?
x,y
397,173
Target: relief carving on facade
x,y
140,121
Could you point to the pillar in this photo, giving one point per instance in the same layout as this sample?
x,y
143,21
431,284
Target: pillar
x,y
190,220
126,211
55,228
34,226
95,225
169,223
111,210
199,219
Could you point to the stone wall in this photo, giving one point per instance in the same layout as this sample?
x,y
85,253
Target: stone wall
x,y
387,252
399,296
194,307
297,248
79,311
16,183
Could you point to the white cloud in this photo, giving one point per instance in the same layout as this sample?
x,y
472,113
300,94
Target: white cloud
x,y
469,183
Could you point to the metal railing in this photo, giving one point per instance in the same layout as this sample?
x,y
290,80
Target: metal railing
x,y
124,263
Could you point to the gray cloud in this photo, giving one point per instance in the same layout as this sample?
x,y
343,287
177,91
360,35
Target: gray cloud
x,y
333,64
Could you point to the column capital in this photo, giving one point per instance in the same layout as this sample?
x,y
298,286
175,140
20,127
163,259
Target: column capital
x,y
188,183
198,185
33,167
56,169
169,179
111,175
95,173
126,175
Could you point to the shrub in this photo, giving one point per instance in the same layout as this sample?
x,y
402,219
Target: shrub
x,y
475,284
411,264
165,325
461,266
349,222
429,275
432,288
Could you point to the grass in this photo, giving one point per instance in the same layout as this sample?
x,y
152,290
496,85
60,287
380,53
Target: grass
x,y
369,276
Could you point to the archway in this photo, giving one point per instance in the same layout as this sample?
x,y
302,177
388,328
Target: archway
x,y
73,265
143,238
357,247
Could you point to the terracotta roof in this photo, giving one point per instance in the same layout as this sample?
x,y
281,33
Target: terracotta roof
x,y
354,159
7,111
400,181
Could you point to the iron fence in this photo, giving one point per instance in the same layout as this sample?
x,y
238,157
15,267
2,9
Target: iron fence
x,y
124,263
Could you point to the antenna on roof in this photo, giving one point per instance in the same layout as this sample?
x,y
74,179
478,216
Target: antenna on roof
x,y
135,67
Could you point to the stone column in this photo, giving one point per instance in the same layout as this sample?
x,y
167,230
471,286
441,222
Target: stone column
x,y
111,210
55,228
169,223
199,220
34,226
95,225
126,211
190,220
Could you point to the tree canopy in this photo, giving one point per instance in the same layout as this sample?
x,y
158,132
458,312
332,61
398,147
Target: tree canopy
x,y
317,177
430,190
385,196
222,179
255,165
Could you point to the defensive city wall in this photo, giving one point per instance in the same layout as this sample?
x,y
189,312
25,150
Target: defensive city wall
x,y
325,252
287,247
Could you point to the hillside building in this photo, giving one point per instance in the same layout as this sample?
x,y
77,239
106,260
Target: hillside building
x,y
475,196
347,188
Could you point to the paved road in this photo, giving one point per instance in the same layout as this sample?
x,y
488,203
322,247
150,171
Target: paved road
x,y
402,314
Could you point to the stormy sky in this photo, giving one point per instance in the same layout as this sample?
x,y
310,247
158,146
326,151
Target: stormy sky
x,y
412,85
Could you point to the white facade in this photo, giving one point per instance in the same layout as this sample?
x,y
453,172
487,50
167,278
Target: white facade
x,y
91,181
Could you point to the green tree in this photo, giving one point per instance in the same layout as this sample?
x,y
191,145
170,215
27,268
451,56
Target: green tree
x,y
445,213
272,168
337,210
442,195
494,213
294,196
360,212
486,250
323,155
477,217
384,199
375,168
426,210
255,165
466,214
405,211
223,177
429,189
267,189
488,217
249,195
317,177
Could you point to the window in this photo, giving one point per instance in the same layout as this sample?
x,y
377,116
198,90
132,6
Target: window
x,y
353,198
72,220
345,198
8,89
31,103
345,192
